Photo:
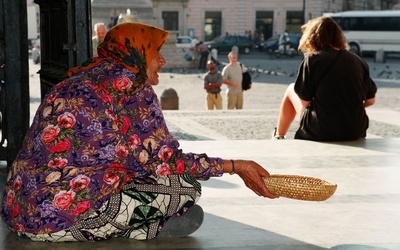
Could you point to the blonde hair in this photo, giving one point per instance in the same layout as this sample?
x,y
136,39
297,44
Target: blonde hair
x,y
322,33
232,53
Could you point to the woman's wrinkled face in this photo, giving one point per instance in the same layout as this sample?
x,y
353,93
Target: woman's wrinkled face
x,y
155,66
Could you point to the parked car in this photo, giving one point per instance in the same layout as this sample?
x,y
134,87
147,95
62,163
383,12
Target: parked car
x,y
225,43
36,51
272,44
183,42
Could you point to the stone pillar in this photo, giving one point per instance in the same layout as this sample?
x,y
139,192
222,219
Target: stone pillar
x,y
214,54
236,50
380,56
169,100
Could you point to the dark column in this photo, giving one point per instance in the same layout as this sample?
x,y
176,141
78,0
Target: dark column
x,y
14,77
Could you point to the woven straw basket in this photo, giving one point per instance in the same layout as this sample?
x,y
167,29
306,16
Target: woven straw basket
x,y
300,187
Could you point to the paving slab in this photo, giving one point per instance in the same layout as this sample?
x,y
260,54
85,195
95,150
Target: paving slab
x,y
362,214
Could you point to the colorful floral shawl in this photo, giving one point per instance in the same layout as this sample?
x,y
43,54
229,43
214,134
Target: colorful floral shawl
x,y
93,133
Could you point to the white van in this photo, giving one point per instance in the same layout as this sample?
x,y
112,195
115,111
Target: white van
x,y
183,42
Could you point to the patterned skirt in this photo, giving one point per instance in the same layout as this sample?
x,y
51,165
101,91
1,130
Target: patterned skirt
x,y
139,211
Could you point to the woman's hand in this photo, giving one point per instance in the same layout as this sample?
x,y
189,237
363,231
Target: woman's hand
x,y
252,174
369,102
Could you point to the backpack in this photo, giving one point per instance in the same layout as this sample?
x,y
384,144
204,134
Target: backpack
x,y
246,82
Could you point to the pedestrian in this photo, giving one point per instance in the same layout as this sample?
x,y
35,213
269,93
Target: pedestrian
x,y
203,51
284,43
212,85
250,36
100,32
193,48
232,77
194,42
98,161
332,89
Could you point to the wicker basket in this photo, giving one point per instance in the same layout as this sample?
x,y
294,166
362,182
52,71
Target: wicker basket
x,y
300,187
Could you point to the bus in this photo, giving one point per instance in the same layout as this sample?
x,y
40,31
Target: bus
x,y
370,31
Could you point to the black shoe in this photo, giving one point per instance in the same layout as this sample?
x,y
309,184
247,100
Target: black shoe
x,y
181,226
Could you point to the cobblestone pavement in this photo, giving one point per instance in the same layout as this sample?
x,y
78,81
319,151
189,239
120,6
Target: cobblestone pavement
x,y
256,121
258,118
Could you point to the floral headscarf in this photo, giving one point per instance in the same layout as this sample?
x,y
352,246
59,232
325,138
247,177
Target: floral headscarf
x,y
134,45
94,134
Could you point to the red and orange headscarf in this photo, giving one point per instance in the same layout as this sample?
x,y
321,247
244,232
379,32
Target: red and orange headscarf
x,y
133,45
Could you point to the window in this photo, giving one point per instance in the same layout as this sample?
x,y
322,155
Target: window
x,y
294,21
230,40
242,39
264,24
183,39
171,20
370,23
212,25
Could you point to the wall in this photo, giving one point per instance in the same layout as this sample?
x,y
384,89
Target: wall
x,y
239,15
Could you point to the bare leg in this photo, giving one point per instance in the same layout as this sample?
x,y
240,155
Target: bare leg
x,y
290,106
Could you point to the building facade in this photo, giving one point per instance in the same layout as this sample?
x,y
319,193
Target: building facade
x,y
207,18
